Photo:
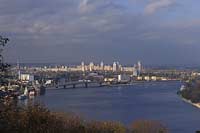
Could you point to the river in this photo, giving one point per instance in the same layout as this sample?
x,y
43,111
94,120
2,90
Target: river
x,y
151,101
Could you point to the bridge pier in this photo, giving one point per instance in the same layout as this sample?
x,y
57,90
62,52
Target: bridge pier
x,y
86,85
100,84
74,85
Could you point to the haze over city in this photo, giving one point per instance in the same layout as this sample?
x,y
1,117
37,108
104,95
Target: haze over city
x,y
63,31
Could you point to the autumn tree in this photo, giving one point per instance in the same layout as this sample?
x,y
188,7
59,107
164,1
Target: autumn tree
x,y
146,126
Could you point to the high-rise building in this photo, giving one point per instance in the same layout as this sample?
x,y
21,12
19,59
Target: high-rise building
x,y
114,66
91,66
135,72
19,71
139,67
119,68
102,66
83,66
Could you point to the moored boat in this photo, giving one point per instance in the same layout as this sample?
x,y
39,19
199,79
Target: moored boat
x,y
182,88
24,95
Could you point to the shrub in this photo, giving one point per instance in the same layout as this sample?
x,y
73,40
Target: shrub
x,y
145,126
38,119
105,127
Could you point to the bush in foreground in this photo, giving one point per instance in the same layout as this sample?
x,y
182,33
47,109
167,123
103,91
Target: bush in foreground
x,y
145,126
37,119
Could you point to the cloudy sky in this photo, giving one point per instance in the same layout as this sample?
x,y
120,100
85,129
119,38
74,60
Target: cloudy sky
x,y
64,31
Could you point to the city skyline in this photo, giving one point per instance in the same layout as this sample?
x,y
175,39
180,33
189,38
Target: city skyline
x,y
153,31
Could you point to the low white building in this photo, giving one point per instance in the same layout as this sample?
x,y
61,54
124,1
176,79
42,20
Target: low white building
x,y
147,78
109,79
153,78
26,77
139,78
49,82
123,78
164,79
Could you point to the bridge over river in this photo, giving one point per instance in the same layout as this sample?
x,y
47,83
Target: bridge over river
x,y
82,84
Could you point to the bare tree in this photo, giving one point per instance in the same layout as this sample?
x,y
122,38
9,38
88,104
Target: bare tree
x,y
3,42
3,66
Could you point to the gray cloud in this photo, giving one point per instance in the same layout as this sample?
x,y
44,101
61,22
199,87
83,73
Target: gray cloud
x,y
156,5
75,30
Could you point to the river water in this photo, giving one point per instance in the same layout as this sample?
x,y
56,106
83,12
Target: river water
x,y
151,101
